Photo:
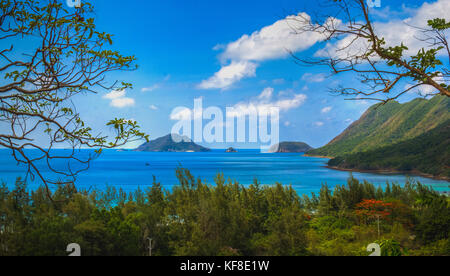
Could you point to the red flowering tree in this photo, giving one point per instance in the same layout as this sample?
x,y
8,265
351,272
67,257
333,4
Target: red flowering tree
x,y
370,209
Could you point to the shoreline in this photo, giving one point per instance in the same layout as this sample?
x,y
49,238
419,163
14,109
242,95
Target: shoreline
x,y
318,156
388,171
381,171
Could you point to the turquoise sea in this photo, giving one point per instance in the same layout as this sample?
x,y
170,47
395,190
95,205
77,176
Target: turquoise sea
x,y
130,170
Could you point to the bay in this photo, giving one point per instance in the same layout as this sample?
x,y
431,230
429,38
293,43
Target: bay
x,y
129,170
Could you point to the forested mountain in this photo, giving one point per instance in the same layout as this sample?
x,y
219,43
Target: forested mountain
x,y
383,125
428,153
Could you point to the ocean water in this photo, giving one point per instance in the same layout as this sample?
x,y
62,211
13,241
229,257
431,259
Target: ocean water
x,y
130,170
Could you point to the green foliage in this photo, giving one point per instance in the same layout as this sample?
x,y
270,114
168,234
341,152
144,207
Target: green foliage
x,y
383,125
67,56
439,24
405,137
390,248
226,219
428,153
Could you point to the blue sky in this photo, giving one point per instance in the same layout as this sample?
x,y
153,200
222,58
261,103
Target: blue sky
x,y
182,45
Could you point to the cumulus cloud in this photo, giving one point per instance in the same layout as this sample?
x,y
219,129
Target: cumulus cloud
x,y
326,109
265,101
262,104
115,94
181,114
150,88
266,94
394,31
118,99
348,121
122,102
153,107
241,58
229,74
318,124
313,77
271,42
423,90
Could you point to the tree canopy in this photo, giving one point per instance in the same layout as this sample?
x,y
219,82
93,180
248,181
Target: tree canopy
x,y
382,67
64,56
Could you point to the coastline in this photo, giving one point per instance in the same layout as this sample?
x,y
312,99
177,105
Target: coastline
x,y
383,171
318,156
389,171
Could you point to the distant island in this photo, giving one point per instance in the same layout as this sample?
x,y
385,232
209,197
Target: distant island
x,y
286,147
167,144
231,150
411,137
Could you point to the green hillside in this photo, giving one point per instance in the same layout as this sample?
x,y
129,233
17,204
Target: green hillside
x,y
427,153
383,125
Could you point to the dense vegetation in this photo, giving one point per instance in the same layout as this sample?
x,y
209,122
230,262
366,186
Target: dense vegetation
x,y
384,125
225,219
428,153
409,137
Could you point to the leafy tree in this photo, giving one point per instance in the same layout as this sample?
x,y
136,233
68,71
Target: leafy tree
x,y
390,248
225,219
383,68
370,209
434,221
65,56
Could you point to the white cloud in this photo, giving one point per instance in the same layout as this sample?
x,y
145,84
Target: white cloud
x,y
118,99
115,94
261,103
264,102
122,102
326,109
423,90
318,124
287,123
153,107
394,32
229,74
150,88
242,57
266,94
272,42
181,114
313,77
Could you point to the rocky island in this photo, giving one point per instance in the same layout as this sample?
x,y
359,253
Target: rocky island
x,y
286,147
172,143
